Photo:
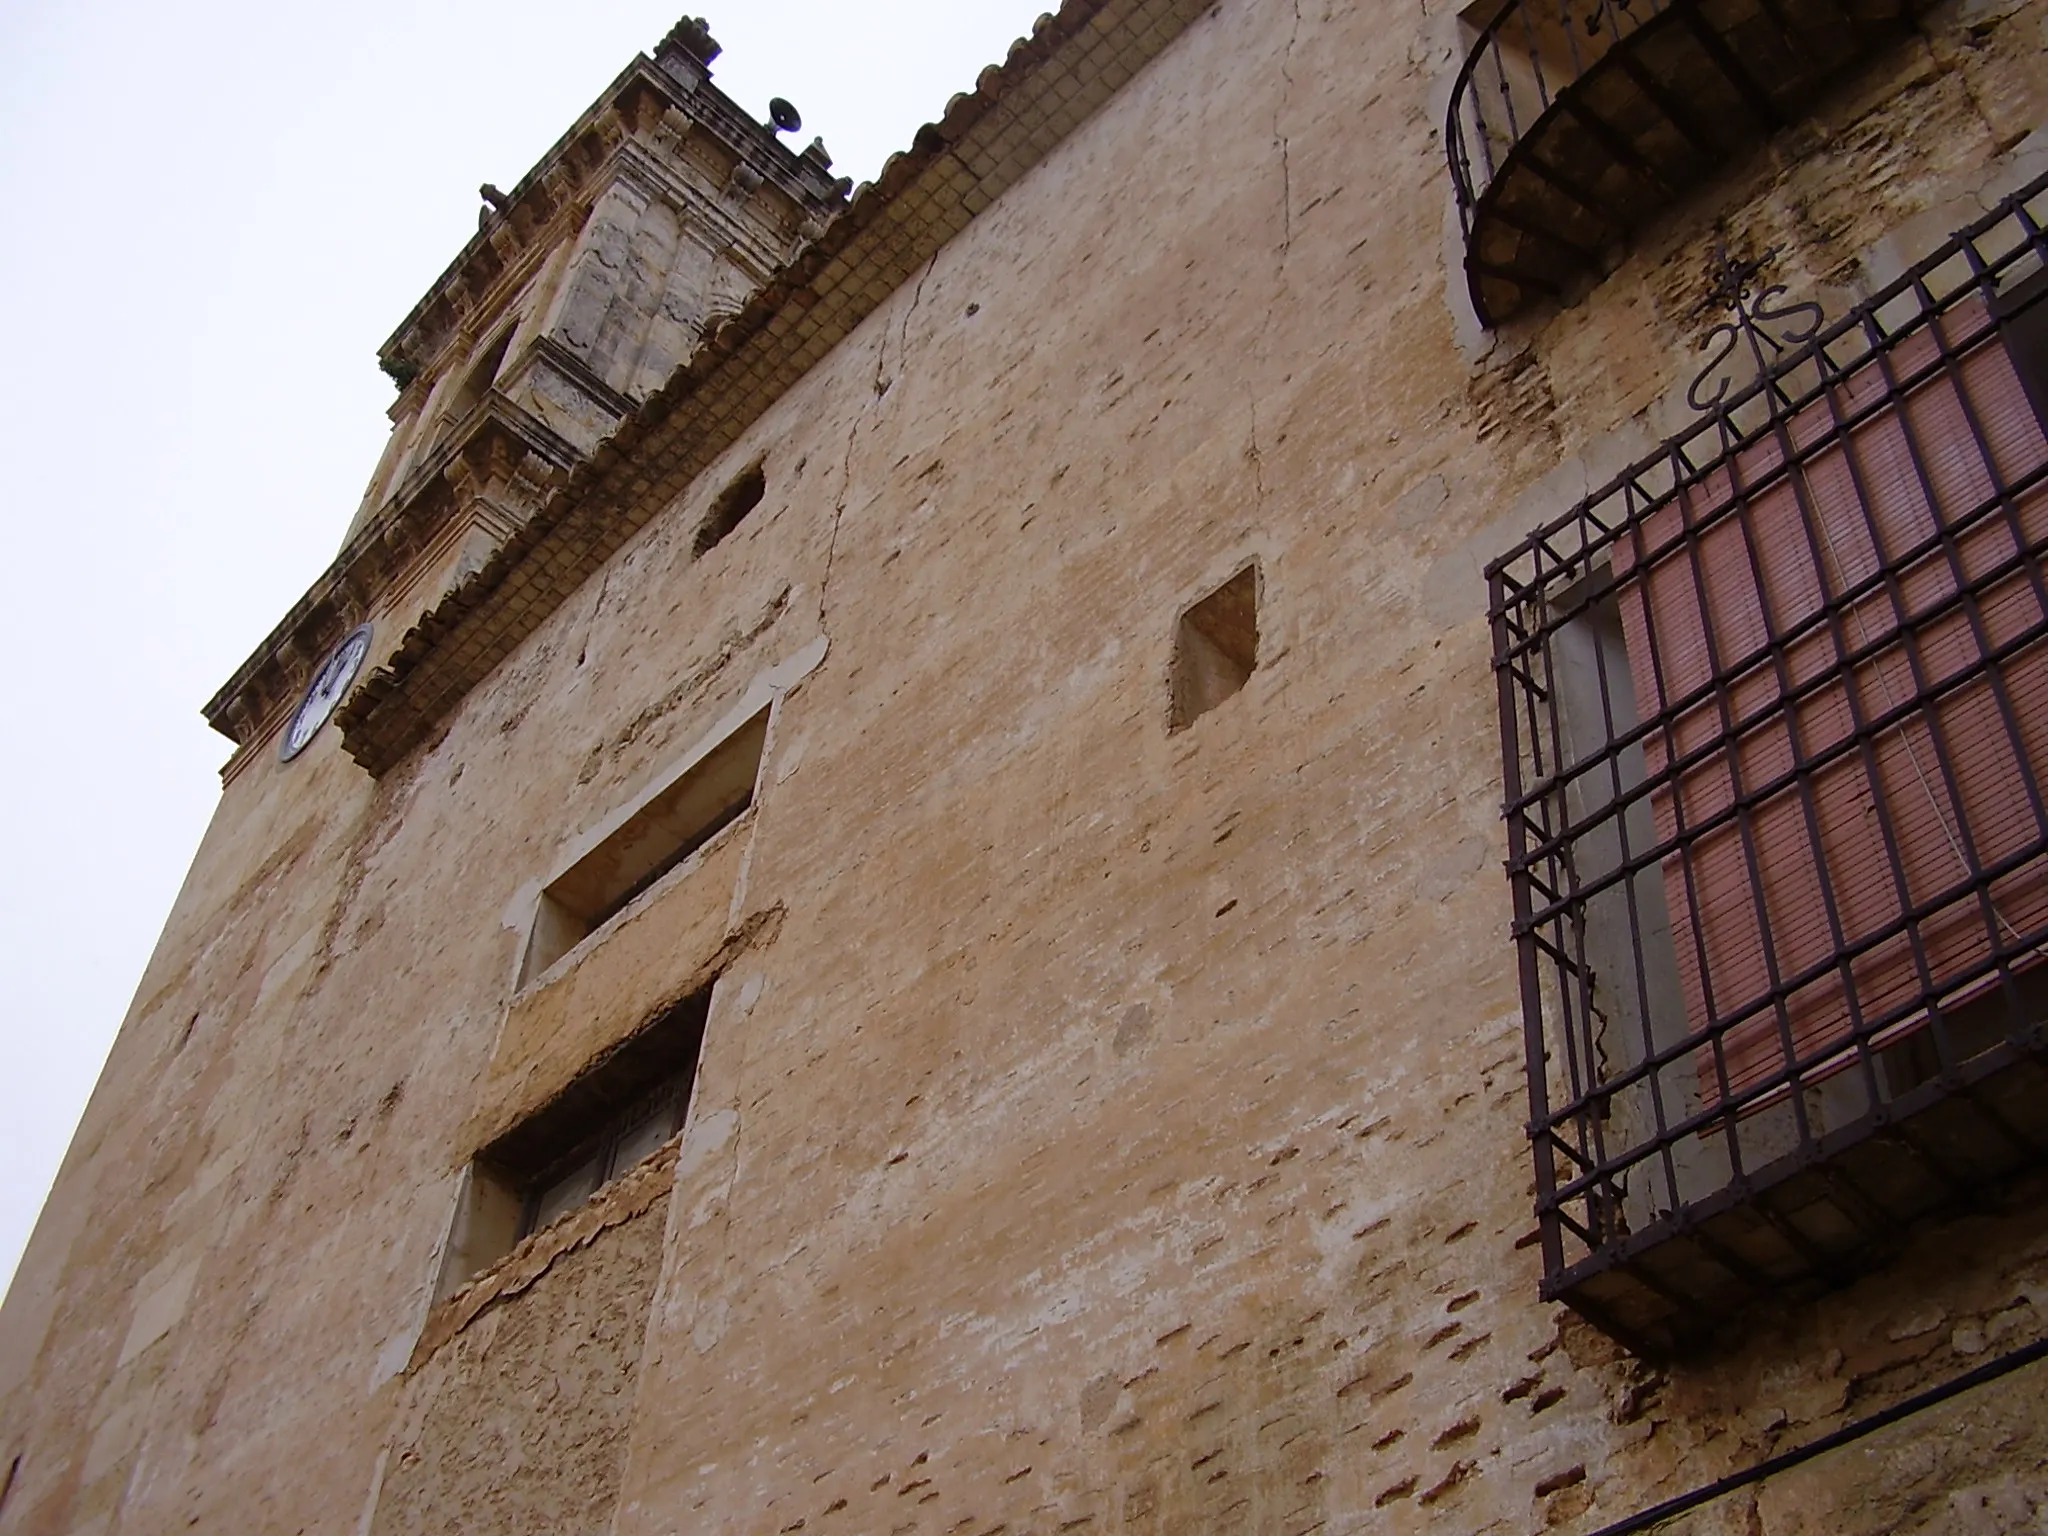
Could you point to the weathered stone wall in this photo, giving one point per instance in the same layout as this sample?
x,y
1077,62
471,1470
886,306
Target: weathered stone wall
x,y
519,1422
1097,1129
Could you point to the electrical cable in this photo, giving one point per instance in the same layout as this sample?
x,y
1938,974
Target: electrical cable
x,y
1670,1509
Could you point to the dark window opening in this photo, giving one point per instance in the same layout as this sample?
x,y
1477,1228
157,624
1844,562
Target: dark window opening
x,y
2022,312
617,1113
476,383
1216,648
609,1120
706,798
732,507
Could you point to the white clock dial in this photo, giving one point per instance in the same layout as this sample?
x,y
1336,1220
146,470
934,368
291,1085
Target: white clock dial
x,y
330,684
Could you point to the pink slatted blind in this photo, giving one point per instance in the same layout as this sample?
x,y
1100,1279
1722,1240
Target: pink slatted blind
x,y
1693,607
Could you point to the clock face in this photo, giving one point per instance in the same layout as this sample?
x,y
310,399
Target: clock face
x,y
329,684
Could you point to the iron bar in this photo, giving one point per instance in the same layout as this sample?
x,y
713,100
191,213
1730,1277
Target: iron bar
x,y
1849,1434
1749,685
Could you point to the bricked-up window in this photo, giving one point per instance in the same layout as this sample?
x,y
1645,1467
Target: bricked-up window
x,y
731,507
1775,717
1215,648
614,1116
672,824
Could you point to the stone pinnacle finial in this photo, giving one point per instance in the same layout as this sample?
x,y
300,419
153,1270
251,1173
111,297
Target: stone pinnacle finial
x,y
692,35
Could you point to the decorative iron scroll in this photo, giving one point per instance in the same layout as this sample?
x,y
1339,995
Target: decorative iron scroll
x,y
1760,319
1608,13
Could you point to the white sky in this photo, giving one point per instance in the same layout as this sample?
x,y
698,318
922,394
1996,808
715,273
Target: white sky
x,y
218,211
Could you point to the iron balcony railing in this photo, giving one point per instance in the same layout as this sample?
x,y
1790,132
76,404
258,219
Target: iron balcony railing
x,y
1573,121
1774,707
1529,54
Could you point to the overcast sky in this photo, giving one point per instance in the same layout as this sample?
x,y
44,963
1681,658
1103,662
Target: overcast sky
x,y
219,211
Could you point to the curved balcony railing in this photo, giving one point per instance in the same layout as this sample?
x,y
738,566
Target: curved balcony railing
x,y
1574,121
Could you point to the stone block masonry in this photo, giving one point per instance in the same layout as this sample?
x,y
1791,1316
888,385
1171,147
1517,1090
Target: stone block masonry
x,y
1100,1127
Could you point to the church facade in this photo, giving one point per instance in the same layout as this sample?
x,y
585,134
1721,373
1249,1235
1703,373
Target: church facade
x,y
1303,789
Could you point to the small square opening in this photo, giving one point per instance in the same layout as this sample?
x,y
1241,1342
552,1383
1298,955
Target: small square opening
x,y
616,1114
1216,648
732,507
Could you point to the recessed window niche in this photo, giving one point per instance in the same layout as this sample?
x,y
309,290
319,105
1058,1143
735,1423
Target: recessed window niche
x,y
477,382
1215,648
699,803
732,507
616,1114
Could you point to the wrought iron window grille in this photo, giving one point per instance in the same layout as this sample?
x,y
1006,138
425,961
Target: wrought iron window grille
x,y
1774,710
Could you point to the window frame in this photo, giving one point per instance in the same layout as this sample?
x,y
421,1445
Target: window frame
x,y
1913,403
590,892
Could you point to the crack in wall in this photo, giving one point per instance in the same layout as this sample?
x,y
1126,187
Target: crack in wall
x,y
845,486
883,384
1252,452
1283,143
916,302
882,379
1280,138
604,587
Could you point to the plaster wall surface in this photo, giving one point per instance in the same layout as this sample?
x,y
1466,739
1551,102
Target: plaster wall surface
x,y
483,1442
1097,1128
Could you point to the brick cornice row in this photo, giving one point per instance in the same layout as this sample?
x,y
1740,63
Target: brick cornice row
x,y
987,140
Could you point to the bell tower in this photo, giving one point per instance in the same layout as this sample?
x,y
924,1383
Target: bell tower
x,y
586,285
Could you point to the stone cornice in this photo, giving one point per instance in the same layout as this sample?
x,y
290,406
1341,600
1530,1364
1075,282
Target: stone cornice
x,y
634,102
546,349
496,436
987,140
612,137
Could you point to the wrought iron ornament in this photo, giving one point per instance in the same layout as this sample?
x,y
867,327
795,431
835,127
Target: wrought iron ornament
x,y
1759,319
1764,936
1609,14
